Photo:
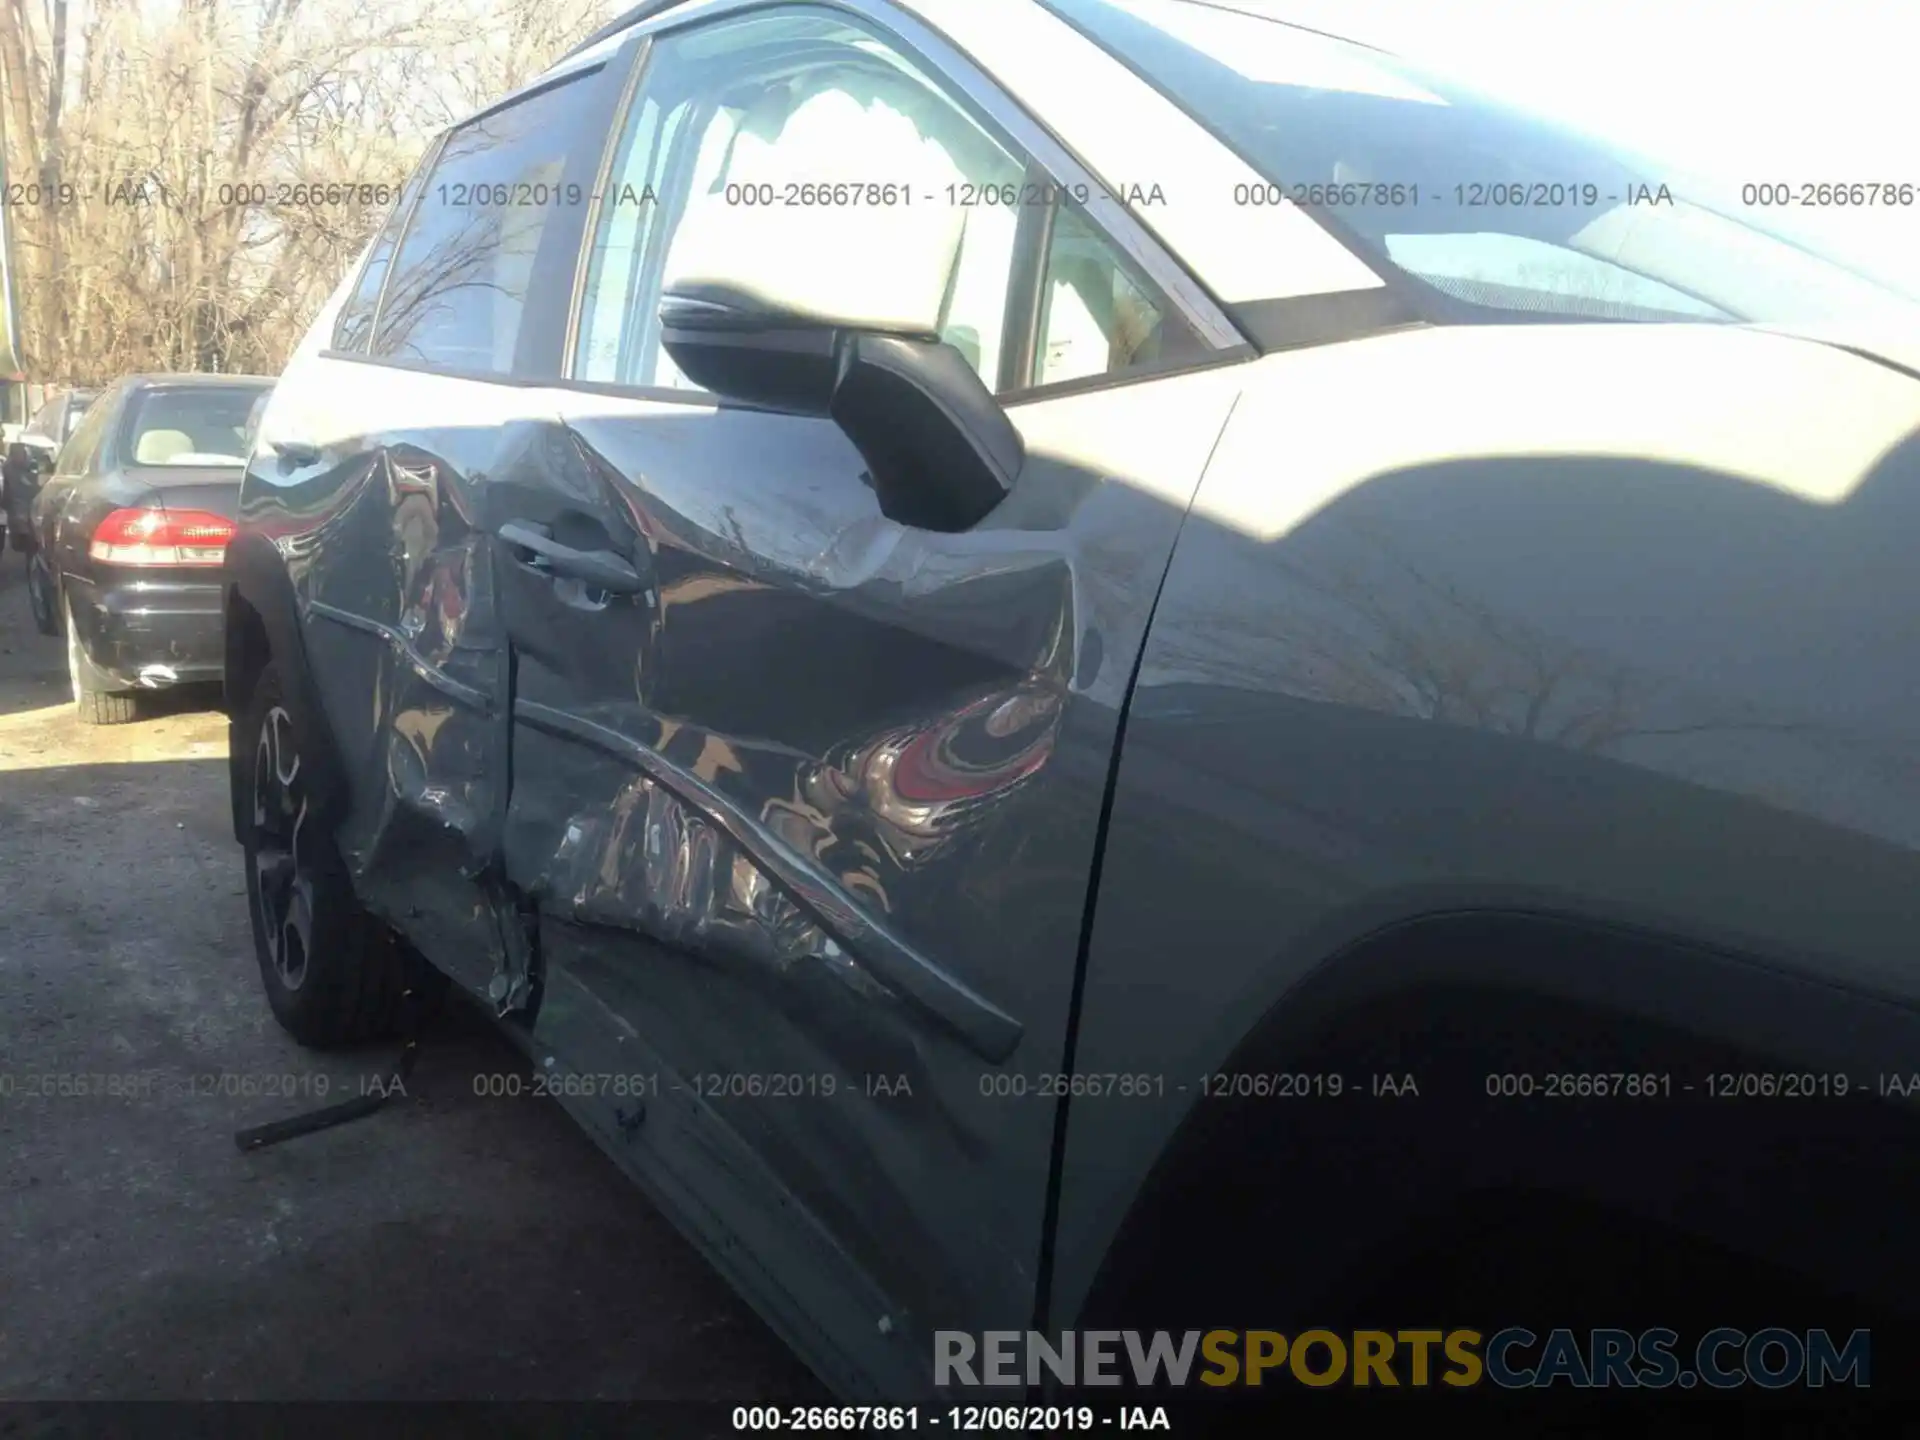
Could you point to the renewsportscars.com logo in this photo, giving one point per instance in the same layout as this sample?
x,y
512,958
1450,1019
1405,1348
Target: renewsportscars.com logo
x,y
1515,1358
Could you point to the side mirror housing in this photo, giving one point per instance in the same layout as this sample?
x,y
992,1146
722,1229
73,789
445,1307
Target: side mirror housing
x,y
847,328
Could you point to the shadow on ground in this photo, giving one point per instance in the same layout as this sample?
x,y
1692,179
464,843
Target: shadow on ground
x,y
455,1246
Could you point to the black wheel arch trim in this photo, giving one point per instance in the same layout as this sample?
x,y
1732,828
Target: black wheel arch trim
x,y
255,574
1713,992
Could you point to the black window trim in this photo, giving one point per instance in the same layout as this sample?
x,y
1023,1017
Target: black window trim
x,y
963,83
1031,267
447,372
533,90
610,145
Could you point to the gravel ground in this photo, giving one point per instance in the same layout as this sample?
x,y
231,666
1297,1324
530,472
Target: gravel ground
x,y
450,1247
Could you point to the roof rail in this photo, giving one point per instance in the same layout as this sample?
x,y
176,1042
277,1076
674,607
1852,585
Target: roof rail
x,y
644,11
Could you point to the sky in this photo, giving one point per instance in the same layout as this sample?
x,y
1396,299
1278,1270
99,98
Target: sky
x,y
1742,90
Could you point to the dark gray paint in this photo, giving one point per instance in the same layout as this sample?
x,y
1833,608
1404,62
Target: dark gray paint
x,y
822,805
819,804
1633,689
824,796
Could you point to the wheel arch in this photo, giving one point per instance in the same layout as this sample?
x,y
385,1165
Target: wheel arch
x,y
1471,984
263,626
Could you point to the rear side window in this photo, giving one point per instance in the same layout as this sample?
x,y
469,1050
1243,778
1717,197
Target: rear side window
x,y
353,331
77,455
457,298
204,425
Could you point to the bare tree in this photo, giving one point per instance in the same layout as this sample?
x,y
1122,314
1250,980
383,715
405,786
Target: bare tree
x,y
1362,623
514,42
202,176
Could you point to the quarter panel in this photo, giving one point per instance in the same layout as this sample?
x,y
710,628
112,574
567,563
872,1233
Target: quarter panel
x,y
387,545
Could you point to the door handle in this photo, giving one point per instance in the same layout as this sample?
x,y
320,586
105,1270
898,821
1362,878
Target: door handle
x,y
602,569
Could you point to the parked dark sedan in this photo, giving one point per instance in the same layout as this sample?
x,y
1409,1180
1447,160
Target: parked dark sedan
x,y
30,458
129,531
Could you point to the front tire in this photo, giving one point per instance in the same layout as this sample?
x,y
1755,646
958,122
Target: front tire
x,y
334,974
92,700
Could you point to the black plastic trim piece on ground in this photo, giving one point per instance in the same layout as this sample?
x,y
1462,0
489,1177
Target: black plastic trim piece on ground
x,y
258,1137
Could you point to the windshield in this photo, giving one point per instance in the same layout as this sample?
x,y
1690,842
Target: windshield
x,y
1472,197
198,425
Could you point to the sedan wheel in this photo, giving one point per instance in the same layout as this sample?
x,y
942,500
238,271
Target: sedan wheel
x,y
95,704
40,594
283,888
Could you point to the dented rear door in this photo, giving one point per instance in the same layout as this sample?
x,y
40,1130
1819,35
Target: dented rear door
x,y
393,559
394,454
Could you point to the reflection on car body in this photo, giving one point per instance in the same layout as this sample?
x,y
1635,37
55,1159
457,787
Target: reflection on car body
x,y
29,459
942,642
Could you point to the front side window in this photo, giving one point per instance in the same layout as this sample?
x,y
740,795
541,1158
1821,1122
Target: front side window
x,y
77,406
1469,197
812,114
190,425
792,108
457,297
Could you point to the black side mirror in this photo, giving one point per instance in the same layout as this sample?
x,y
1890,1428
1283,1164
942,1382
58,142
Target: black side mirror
x,y
941,452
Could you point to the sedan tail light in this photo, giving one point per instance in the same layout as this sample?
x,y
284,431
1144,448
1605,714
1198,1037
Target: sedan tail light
x,y
161,537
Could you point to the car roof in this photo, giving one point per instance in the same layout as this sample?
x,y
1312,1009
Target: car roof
x,y
626,20
646,10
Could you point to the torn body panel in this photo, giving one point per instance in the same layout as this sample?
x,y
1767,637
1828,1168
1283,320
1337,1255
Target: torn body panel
x,y
398,578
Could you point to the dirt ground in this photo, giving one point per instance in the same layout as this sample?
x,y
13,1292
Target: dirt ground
x,y
450,1247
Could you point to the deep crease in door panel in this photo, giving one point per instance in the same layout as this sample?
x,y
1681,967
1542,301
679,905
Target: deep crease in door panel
x,y
905,736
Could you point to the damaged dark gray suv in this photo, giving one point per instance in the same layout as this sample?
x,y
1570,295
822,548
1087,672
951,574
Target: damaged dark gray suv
x,y
1071,691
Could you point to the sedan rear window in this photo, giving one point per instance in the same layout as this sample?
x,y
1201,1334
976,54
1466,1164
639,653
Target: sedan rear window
x,y
202,425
